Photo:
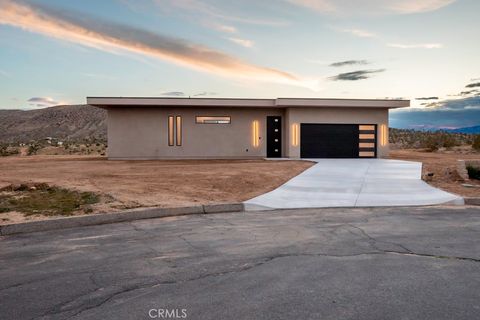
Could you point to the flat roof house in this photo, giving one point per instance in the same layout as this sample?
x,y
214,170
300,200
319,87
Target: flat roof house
x,y
173,128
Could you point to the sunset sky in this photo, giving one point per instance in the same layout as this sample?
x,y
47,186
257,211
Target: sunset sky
x,y
60,51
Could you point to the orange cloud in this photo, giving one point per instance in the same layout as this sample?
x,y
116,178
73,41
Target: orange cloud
x,y
120,39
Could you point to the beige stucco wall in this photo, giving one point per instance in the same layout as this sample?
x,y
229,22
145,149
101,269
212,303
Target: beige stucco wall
x,y
142,133
377,116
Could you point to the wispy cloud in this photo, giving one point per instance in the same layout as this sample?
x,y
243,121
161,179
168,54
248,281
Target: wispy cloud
x,y
173,94
355,75
97,76
43,102
4,73
416,6
416,46
348,63
242,42
359,33
205,93
427,98
348,7
468,92
184,94
120,39
212,11
473,85
225,28
324,6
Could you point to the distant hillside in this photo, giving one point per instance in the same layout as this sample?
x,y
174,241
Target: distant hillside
x,y
471,130
69,122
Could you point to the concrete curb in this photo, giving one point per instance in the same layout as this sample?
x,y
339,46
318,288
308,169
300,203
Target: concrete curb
x,y
105,218
472,201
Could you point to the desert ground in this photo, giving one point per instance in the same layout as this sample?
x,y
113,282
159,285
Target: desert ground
x,y
443,166
130,184
123,185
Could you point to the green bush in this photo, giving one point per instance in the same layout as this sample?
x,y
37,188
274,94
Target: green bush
x,y
473,172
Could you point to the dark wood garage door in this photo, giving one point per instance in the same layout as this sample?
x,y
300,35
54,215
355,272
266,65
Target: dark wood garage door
x,y
337,140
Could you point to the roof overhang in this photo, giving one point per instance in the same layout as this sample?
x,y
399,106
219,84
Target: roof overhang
x,y
107,102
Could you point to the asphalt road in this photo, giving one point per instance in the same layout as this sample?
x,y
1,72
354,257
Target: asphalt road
x,y
397,263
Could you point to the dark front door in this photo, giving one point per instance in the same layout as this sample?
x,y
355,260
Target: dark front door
x,y
329,140
274,137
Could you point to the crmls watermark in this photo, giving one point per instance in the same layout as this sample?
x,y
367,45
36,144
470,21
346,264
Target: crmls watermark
x,y
166,313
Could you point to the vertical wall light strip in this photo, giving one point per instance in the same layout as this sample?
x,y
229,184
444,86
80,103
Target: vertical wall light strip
x,y
295,135
383,138
171,129
255,134
179,130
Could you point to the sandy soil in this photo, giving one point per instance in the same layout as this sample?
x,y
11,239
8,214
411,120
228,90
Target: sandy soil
x,y
443,166
131,184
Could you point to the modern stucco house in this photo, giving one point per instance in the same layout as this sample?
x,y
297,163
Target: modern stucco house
x,y
164,128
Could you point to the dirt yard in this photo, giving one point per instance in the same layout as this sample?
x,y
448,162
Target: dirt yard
x,y
130,184
443,166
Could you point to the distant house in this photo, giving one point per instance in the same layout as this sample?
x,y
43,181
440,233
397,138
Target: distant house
x,y
171,128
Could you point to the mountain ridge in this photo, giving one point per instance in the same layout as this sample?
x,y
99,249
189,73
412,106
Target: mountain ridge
x,y
64,122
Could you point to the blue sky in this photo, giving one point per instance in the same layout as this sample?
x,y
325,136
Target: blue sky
x,y
60,51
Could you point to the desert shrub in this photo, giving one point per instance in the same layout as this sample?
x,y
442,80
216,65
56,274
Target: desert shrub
x,y
32,149
473,172
437,140
6,151
448,141
431,143
432,140
476,142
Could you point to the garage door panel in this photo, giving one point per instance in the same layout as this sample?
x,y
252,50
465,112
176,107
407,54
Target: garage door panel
x,y
337,140
329,140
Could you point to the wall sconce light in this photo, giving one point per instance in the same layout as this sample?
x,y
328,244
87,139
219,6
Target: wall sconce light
x,y
255,134
171,130
179,130
295,135
383,135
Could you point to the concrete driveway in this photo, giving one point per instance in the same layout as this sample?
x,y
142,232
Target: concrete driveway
x,y
360,263
354,183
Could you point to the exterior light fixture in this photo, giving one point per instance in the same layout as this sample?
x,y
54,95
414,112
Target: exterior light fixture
x,y
383,135
295,135
255,133
179,130
171,130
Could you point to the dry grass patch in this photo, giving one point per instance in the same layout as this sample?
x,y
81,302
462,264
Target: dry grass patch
x,y
45,200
